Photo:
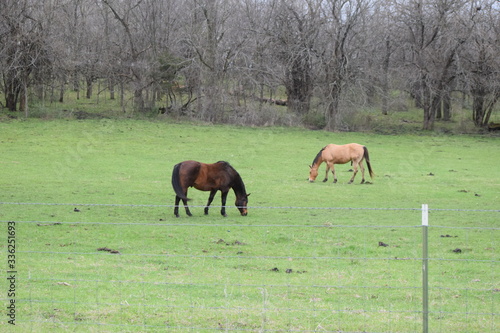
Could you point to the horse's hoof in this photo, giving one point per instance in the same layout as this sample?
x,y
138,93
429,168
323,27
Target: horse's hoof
x,y
325,180
177,215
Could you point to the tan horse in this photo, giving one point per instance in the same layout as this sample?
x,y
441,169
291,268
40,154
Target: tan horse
x,y
341,154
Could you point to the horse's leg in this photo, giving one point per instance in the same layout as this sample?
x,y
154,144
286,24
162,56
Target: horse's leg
x,y
188,212
334,174
355,168
176,209
362,167
185,202
326,173
223,196
210,199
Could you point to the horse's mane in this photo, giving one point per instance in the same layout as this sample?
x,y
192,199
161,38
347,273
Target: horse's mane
x,y
228,167
238,184
318,156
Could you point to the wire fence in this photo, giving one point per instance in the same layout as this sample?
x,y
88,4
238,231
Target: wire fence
x,y
121,267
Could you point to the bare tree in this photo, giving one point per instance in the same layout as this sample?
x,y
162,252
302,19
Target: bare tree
x,y
337,57
204,40
292,36
327,55
377,53
480,63
431,44
133,51
24,47
260,70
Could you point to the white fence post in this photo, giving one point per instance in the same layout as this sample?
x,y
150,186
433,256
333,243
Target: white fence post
x,y
425,269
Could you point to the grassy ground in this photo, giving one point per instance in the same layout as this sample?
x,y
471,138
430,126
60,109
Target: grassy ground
x,y
283,267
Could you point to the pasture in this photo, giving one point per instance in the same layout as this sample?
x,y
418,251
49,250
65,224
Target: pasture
x,y
98,247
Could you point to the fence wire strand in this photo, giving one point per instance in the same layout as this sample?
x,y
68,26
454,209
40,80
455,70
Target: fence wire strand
x,y
250,207
75,280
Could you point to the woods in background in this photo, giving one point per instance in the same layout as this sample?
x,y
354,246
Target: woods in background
x,y
217,60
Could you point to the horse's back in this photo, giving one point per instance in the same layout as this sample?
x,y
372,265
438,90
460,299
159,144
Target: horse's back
x,y
190,166
343,153
356,149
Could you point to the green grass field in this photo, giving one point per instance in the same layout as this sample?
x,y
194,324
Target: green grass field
x,y
306,258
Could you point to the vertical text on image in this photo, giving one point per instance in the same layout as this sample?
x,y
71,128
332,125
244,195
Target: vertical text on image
x,y
11,272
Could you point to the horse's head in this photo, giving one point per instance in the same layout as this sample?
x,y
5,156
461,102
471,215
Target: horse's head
x,y
313,173
241,204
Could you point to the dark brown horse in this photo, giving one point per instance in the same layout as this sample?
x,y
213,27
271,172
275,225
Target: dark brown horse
x,y
341,154
220,176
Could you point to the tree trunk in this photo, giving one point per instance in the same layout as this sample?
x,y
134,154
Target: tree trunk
x,y
332,115
439,109
23,107
11,100
89,87
24,99
111,87
299,87
428,123
332,110
447,106
61,93
138,99
478,107
122,96
430,118
385,78
12,89
212,76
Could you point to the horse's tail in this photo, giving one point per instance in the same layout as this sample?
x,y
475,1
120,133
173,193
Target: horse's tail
x,y
367,158
176,182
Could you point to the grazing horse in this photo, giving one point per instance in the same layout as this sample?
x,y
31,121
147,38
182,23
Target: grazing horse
x,y
341,154
220,176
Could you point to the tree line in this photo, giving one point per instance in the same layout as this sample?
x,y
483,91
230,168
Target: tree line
x,y
219,59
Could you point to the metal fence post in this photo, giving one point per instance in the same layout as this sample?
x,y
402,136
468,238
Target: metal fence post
x,y
425,270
